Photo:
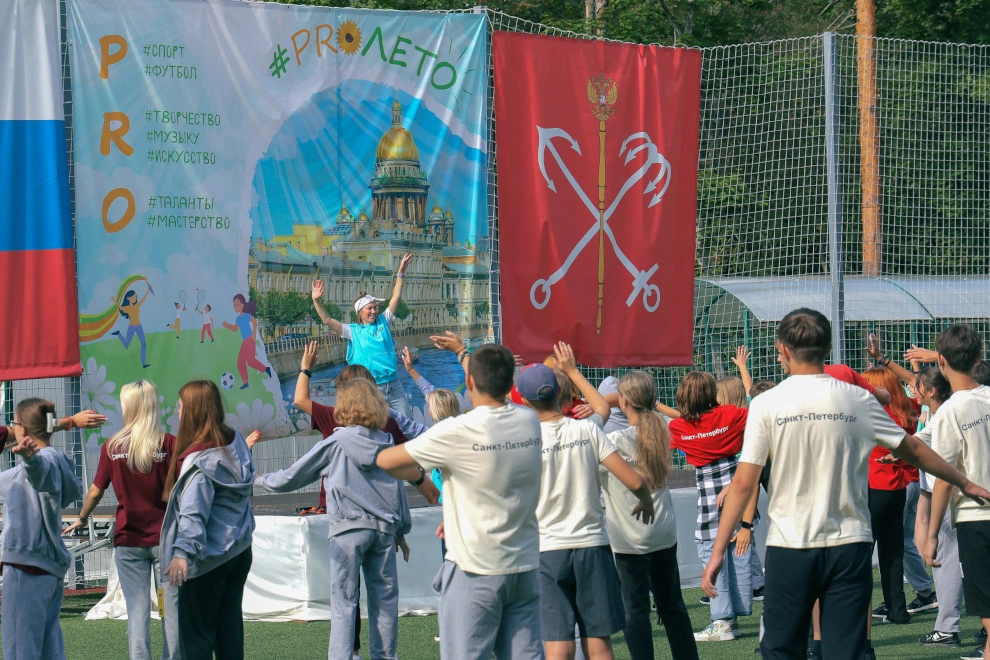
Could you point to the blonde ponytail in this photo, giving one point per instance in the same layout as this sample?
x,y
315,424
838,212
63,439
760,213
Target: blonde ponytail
x,y
652,437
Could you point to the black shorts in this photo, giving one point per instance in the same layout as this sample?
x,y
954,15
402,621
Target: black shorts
x,y
974,555
580,586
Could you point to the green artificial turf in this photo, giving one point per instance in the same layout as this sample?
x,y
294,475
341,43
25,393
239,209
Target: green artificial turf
x,y
298,641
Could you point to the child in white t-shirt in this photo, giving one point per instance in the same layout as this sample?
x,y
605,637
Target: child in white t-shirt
x,y
961,435
578,579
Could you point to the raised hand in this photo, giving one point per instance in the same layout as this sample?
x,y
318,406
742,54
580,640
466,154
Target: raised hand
x,y
25,448
915,354
404,264
565,357
873,347
310,351
317,292
448,341
742,356
407,359
253,438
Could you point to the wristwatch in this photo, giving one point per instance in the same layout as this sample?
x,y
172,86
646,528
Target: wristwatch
x,y
422,478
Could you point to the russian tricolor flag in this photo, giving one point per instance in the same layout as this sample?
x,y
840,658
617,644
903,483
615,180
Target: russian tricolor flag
x,y
39,333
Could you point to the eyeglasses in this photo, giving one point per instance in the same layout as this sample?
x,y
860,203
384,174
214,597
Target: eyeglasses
x,y
12,424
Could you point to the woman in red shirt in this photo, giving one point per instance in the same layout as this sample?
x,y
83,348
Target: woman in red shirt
x,y
889,478
135,461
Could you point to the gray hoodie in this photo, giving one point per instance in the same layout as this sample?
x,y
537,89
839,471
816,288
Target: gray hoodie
x,y
209,520
34,493
360,495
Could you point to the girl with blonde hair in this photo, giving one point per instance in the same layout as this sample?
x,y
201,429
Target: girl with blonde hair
x,y
135,461
646,555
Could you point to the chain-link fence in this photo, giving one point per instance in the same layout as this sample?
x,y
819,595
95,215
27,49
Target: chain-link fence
x,y
800,142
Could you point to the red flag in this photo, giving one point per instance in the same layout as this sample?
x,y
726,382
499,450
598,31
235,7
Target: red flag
x,y
597,170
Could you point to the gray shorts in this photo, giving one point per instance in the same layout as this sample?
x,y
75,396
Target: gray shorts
x,y
580,586
485,614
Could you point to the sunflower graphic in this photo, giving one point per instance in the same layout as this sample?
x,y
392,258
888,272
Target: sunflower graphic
x,y
349,37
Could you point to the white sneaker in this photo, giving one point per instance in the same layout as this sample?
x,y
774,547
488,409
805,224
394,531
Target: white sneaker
x,y
718,631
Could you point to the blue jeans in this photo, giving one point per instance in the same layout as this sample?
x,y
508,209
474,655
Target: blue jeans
x,y
914,566
395,396
134,571
734,583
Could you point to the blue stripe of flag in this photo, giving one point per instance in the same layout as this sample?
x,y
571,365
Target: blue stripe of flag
x,y
34,186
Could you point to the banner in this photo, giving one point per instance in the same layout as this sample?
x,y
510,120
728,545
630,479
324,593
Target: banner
x,y
598,153
37,264
230,154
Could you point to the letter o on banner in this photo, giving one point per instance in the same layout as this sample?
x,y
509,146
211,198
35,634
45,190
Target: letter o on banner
x,y
112,196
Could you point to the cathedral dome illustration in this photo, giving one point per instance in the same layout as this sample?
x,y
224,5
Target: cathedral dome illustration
x,y
399,188
397,143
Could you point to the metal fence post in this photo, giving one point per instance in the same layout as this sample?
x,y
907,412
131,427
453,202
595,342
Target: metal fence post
x,y
836,275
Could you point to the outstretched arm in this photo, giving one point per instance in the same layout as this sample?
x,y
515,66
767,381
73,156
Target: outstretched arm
x,y
567,364
398,463
873,350
301,397
664,409
742,361
400,275
317,295
93,497
922,355
915,452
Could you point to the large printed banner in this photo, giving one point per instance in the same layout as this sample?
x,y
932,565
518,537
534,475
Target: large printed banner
x,y
598,152
227,148
37,265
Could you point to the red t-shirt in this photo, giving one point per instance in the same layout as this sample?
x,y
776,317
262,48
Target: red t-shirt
x,y
849,375
324,423
140,508
719,433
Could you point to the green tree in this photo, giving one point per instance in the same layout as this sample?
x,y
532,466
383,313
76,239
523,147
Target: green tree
x,y
334,310
278,309
402,311
482,309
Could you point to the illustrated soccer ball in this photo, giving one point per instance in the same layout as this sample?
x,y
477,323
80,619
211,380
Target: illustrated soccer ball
x,y
227,381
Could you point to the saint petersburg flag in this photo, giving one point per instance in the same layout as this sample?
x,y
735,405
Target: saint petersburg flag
x,y
39,334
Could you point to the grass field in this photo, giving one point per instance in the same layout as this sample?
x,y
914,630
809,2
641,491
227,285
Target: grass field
x,y
298,641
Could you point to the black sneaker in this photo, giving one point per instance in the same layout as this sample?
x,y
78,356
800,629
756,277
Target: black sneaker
x,y
975,654
758,594
922,603
903,622
880,612
936,639
705,600
981,636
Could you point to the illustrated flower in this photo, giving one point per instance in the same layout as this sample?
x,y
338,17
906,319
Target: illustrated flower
x,y
349,37
260,416
96,392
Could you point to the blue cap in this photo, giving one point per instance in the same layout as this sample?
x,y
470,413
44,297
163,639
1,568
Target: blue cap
x,y
537,383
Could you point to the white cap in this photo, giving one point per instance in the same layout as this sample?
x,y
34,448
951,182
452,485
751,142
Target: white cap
x,y
364,301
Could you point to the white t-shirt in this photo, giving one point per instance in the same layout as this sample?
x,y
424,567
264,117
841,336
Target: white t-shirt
x,y
627,534
345,331
570,510
818,433
490,459
208,318
617,419
961,435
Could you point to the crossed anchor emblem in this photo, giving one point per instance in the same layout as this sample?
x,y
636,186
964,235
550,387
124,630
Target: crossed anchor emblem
x,y
632,147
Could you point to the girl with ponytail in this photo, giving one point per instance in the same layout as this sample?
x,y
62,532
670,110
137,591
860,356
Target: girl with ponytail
x,y
646,555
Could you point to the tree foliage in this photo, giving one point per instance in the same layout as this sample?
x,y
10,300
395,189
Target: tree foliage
x,y
402,310
278,309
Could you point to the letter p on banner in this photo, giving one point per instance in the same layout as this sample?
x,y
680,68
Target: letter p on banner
x,y
107,57
597,197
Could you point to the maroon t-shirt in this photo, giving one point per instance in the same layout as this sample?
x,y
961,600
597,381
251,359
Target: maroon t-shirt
x,y
140,509
324,423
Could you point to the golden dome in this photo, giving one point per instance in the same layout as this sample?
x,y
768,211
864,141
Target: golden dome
x,y
397,143
363,217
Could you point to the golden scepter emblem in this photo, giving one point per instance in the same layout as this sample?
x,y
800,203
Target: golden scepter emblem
x,y
602,94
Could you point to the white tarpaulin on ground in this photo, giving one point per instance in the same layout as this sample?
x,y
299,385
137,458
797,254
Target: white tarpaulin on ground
x,y
290,573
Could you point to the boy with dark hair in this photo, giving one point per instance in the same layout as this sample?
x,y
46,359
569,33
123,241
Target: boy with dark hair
x,y
489,583
578,578
818,433
961,435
